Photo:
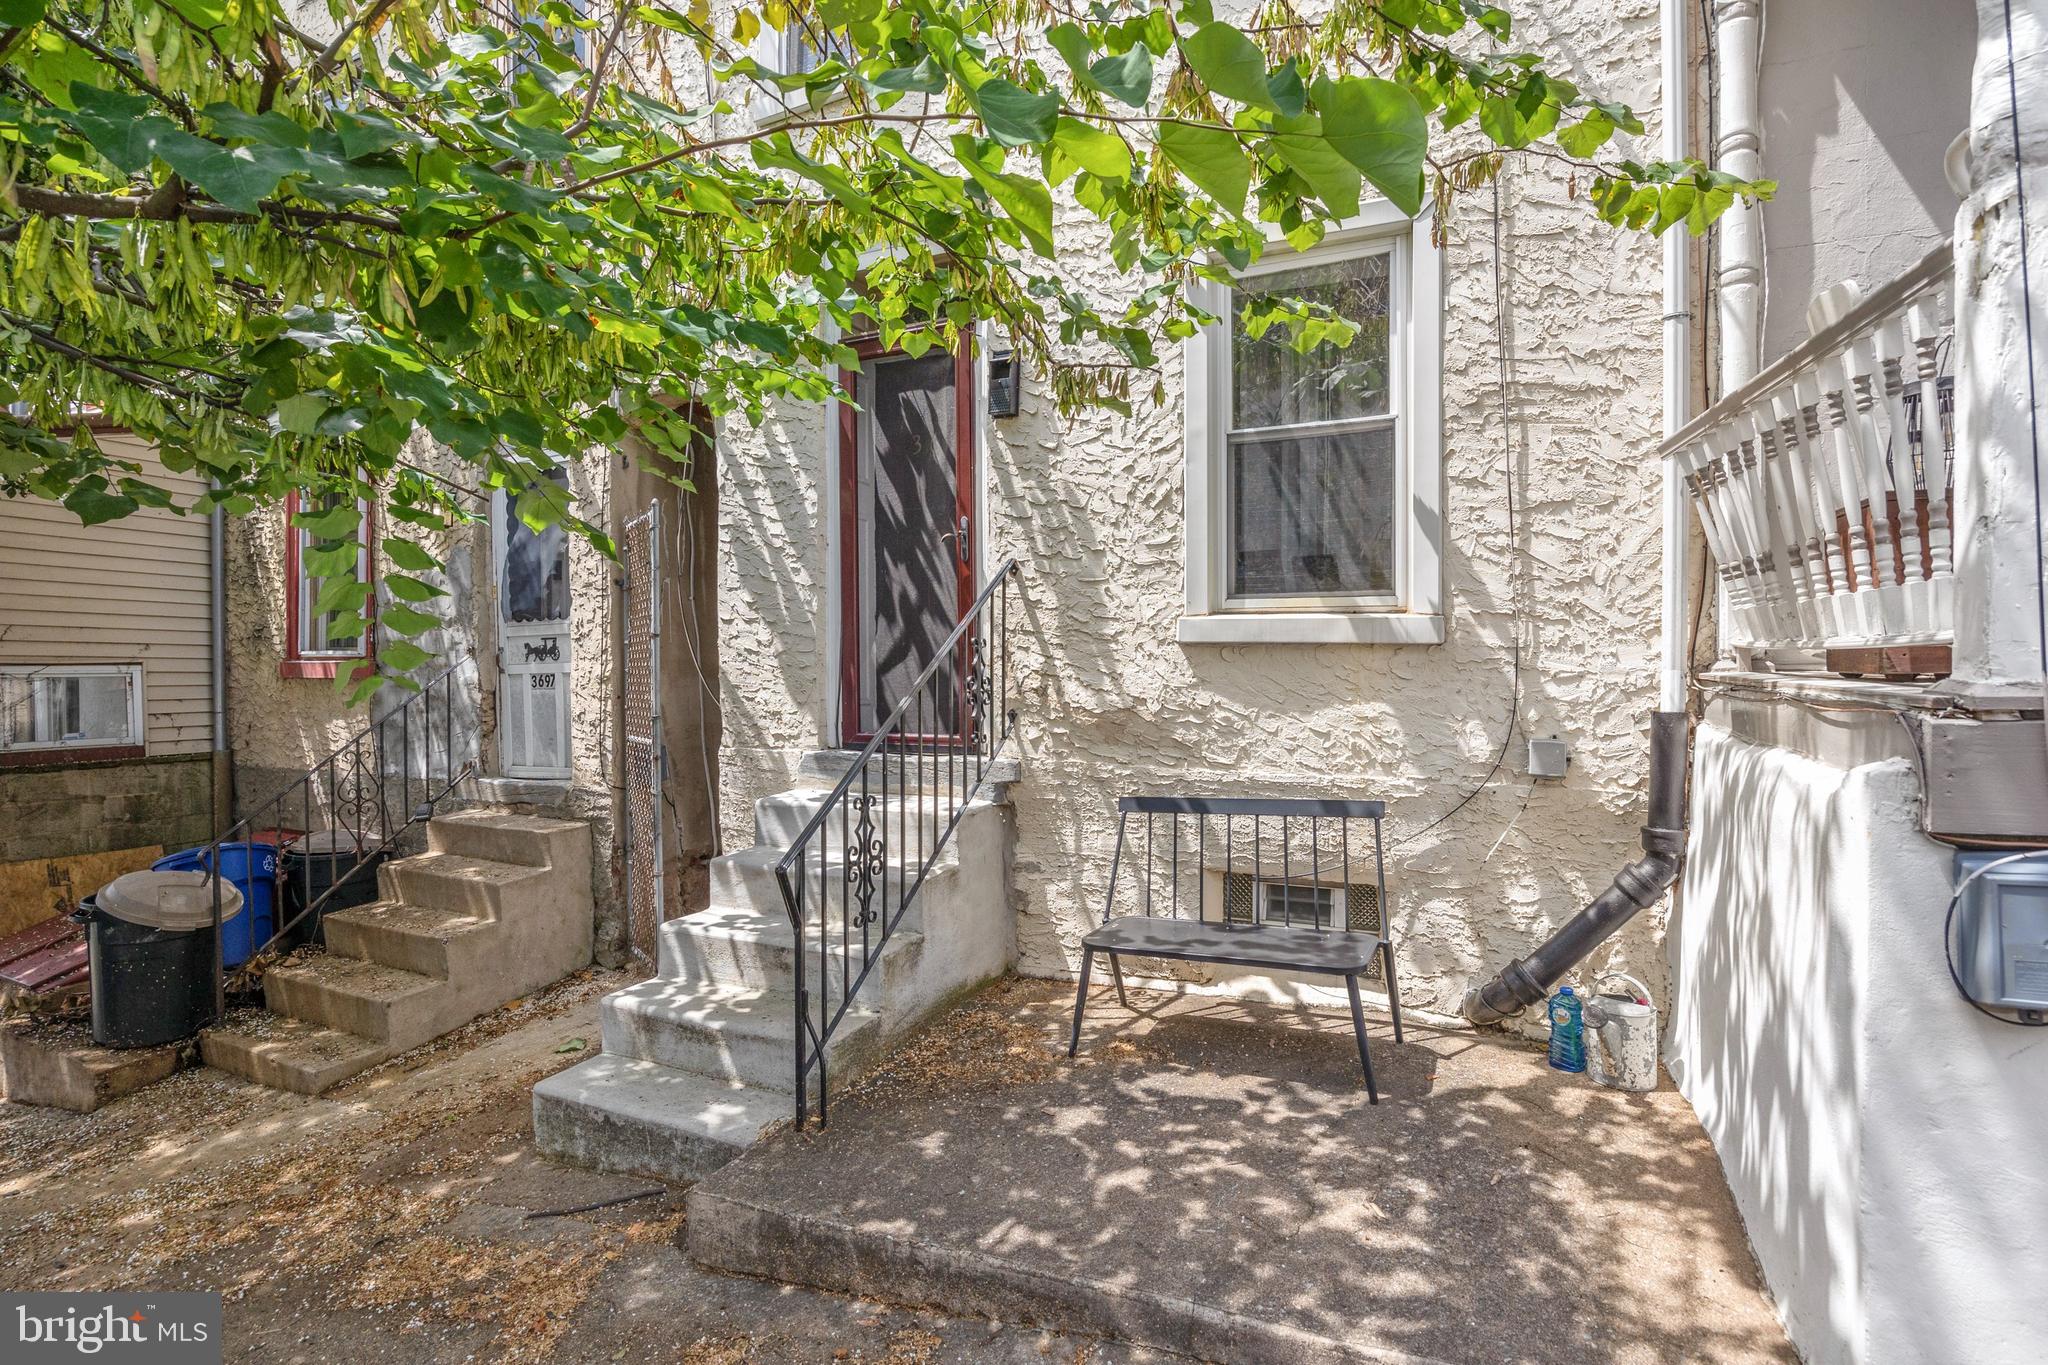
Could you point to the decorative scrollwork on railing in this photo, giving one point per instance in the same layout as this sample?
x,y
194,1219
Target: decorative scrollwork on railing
x,y
979,686
353,780
866,855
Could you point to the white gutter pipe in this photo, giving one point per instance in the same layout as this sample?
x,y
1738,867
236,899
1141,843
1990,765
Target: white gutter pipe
x,y
1677,240
1527,980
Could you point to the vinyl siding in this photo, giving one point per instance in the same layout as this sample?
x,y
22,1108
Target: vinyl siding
x,y
137,590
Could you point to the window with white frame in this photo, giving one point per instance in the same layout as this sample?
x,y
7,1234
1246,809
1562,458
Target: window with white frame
x,y
318,635
58,706
1313,476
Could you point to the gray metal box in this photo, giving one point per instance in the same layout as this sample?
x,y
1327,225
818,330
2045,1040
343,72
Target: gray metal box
x,y
2002,931
1548,757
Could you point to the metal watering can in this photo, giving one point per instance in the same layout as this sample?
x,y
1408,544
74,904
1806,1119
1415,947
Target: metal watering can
x,y
1621,1035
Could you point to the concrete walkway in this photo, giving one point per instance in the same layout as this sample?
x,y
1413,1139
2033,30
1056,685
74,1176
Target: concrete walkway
x,y
405,1216
1210,1179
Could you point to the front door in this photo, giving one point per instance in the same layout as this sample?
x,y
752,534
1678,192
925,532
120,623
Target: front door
x,y
533,645
907,535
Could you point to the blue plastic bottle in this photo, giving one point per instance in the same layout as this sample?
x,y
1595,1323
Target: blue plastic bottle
x,y
1567,1032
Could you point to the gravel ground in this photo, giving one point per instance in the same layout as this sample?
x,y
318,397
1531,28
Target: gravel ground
x,y
406,1216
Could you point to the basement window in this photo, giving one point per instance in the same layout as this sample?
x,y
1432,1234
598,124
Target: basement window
x,y
1305,904
71,707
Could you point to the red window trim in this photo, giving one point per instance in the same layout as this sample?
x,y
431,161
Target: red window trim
x,y
294,664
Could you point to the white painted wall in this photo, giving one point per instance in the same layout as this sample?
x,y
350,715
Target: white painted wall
x,y
1112,702
1881,1137
1859,99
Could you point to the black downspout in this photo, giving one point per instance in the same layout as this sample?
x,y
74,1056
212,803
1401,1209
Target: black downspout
x,y
1527,980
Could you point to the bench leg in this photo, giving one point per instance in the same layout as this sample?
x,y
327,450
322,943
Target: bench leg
x,y
1117,970
1080,999
1393,991
1358,1026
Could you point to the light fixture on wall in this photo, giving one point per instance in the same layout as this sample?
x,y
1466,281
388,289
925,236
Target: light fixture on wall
x,y
1003,385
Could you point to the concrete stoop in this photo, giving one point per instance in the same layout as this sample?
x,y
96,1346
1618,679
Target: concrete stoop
x,y
699,1059
498,907
730,1233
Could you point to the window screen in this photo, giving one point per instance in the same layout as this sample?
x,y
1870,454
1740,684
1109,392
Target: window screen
x,y
1311,474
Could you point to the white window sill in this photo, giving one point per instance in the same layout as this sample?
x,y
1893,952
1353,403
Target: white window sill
x,y
1312,628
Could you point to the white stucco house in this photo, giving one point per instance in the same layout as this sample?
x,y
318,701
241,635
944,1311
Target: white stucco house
x,y
850,724
1811,419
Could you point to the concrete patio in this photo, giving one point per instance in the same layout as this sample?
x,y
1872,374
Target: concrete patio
x,y
1209,1179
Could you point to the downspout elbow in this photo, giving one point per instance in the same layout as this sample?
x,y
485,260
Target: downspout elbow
x,y
1527,980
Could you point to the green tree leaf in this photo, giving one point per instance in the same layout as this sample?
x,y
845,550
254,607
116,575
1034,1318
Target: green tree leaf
x,y
1094,150
1301,145
1212,159
1015,117
1230,64
1378,127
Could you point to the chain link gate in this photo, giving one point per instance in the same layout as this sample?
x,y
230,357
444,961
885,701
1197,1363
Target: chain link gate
x,y
646,758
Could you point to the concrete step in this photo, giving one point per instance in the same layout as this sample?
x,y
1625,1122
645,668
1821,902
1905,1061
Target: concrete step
x,y
484,887
728,1033
415,938
725,946
746,880
502,837
898,821
384,1004
291,1054
821,769
640,1118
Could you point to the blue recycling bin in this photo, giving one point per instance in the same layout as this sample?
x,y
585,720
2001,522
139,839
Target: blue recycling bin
x,y
253,868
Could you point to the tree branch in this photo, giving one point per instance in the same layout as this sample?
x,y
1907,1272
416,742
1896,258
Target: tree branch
x,y
166,208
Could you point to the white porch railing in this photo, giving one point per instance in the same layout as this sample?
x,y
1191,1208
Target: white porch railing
x,y
1824,484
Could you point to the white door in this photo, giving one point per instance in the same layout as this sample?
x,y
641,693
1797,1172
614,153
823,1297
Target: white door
x,y
533,646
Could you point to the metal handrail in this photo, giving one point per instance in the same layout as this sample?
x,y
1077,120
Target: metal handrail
x,y
972,668
349,780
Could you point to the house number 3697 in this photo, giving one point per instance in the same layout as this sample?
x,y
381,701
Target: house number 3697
x,y
543,682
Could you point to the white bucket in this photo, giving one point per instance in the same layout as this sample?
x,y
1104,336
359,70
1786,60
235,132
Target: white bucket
x,y
1621,1035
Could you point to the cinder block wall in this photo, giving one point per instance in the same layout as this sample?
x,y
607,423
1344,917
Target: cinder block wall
x,y
97,807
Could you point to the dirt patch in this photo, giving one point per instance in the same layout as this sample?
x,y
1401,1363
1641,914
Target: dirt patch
x,y
406,1215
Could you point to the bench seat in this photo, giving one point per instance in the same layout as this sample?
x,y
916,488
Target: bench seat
x,y
1268,947
1279,947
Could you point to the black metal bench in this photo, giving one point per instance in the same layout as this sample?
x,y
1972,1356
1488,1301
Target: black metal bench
x,y
1321,930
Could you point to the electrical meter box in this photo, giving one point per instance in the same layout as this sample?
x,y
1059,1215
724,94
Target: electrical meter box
x,y
2002,931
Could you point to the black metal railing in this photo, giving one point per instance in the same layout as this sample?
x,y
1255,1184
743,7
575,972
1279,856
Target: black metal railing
x,y
382,781
851,874
1250,860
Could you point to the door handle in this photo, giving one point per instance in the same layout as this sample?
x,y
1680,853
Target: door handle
x,y
960,539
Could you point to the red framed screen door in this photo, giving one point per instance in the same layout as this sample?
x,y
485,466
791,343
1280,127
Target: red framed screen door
x,y
906,535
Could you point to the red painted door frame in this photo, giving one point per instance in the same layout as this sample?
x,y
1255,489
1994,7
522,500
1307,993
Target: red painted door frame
x,y
965,512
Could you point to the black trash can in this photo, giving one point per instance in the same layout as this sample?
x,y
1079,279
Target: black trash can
x,y
312,864
149,945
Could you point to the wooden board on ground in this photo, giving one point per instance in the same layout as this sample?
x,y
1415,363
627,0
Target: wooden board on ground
x,y
37,888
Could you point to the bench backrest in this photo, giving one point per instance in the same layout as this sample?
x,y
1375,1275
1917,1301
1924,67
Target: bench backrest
x,y
1300,861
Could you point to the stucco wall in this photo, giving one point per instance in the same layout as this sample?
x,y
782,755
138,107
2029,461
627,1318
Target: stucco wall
x,y
1868,1119
1859,101
1112,703
282,726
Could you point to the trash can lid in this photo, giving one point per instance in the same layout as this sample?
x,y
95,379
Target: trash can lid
x,y
334,841
168,900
